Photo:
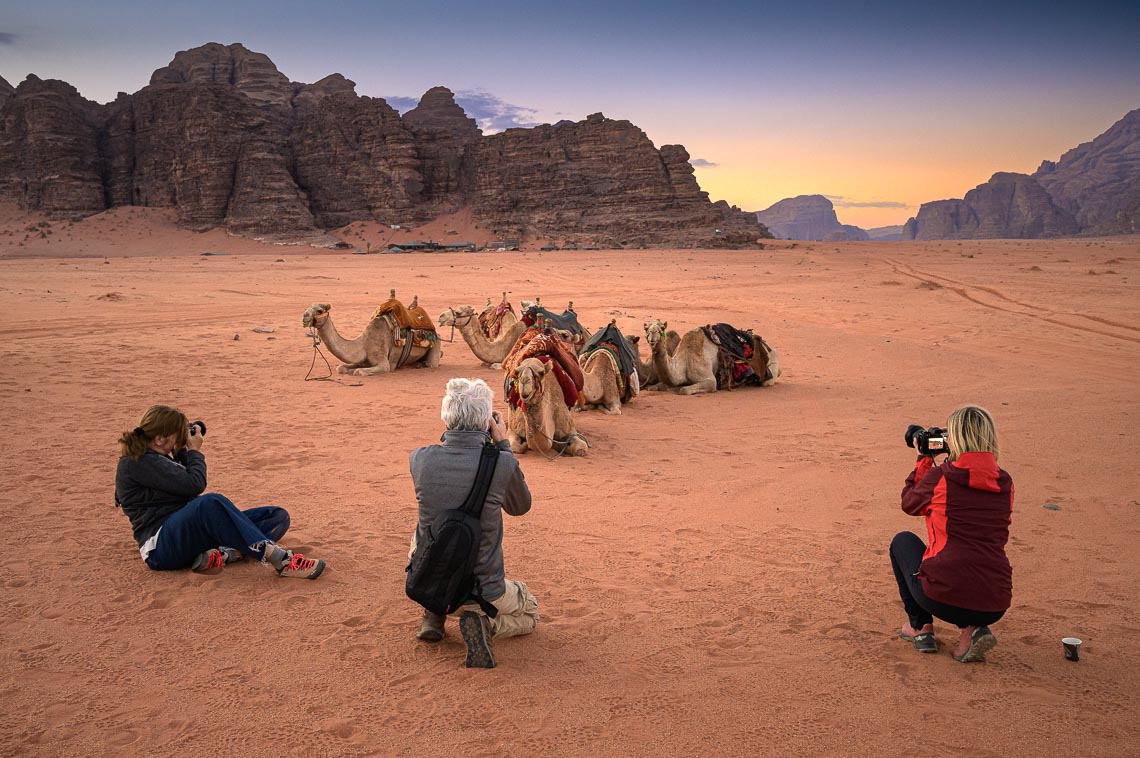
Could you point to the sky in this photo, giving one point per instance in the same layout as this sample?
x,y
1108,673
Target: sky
x,y
880,106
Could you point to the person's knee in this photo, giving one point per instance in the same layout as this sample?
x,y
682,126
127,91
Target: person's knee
x,y
905,540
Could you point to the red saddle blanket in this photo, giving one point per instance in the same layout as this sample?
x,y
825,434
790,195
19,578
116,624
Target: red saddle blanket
x,y
548,348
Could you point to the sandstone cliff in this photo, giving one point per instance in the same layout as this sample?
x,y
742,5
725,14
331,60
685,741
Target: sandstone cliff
x,y
223,137
808,217
1093,189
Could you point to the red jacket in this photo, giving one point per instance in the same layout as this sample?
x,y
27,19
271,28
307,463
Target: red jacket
x,y
967,504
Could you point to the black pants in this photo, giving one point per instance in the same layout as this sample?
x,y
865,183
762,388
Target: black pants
x,y
906,555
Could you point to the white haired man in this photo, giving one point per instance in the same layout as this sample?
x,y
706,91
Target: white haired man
x,y
443,475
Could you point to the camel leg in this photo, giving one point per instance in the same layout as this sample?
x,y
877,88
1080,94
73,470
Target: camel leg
x,y
434,353
576,447
697,388
613,409
346,368
383,368
518,443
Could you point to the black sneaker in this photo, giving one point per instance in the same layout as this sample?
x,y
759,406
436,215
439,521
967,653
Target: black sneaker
x,y
476,631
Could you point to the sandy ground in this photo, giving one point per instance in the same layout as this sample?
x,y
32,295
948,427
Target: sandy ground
x,y
713,577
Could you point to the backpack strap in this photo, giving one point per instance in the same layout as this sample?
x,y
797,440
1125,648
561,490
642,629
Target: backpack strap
x,y
488,459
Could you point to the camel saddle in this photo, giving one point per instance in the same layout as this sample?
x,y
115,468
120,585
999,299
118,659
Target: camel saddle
x,y
412,323
619,350
742,356
491,319
546,346
536,315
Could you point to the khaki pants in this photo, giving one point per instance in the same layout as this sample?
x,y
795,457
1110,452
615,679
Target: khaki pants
x,y
518,608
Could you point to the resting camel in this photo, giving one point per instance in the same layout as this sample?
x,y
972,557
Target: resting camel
x,y
646,371
603,385
691,369
374,352
546,424
491,352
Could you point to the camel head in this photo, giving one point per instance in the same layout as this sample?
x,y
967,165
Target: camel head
x,y
529,376
448,317
316,315
655,332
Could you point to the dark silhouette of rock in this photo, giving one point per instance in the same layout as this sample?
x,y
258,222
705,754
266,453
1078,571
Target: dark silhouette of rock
x,y
808,217
885,233
1093,189
224,138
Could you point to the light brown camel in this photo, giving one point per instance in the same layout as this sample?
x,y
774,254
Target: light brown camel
x,y
646,371
374,352
491,352
600,385
546,424
691,369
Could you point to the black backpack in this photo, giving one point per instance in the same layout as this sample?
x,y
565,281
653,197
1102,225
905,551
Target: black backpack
x,y
441,574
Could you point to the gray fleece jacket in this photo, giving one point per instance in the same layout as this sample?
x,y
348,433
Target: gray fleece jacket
x,y
443,475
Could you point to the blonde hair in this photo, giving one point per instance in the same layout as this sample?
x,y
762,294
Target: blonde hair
x,y
158,421
970,429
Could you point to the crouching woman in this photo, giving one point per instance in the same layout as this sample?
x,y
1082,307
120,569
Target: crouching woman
x,y
159,485
963,576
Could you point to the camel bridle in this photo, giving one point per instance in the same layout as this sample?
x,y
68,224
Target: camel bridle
x,y
455,321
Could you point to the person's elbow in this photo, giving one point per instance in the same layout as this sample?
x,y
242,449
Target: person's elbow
x,y
518,503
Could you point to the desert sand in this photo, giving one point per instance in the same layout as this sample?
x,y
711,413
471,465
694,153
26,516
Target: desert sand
x,y
713,578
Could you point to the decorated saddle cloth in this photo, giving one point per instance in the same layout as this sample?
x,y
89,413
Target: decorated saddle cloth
x,y
408,323
548,348
536,315
619,350
491,319
738,359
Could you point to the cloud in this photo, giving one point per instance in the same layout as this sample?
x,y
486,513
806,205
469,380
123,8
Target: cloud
x,y
491,112
702,163
839,201
8,38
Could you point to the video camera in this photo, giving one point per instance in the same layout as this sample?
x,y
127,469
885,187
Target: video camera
x,y
929,442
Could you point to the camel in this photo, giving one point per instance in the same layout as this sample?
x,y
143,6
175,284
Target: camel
x,y
491,352
487,317
545,424
646,371
603,387
691,368
375,351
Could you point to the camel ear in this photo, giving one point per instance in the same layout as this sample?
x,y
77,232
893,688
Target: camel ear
x,y
548,367
664,325
326,306
635,338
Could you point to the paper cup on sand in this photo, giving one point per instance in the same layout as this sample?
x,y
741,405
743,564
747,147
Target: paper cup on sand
x,y
1072,648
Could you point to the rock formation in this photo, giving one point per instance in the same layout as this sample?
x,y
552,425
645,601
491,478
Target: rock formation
x,y
808,217
1093,189
885,233
226,139
599,181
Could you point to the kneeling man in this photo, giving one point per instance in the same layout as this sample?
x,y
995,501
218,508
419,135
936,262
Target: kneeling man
x,y
443,475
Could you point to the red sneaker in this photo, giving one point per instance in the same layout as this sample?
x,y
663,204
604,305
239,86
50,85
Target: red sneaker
x,y
300,567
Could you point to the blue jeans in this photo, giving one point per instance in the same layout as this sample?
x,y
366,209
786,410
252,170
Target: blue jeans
x,y
210,521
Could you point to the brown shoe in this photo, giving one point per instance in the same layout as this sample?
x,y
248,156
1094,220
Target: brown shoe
x,y
300,567
476,631
431,628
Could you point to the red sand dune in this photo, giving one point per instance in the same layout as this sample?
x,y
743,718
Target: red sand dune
x,y
712,578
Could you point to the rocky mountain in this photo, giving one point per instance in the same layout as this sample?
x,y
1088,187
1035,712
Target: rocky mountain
x,y
1094,189
808,217
885,233
226,139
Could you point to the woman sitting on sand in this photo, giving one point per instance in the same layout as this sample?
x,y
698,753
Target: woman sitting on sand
x,y
963,577
161,475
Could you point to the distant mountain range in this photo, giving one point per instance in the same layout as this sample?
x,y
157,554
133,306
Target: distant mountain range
x,y
1094,189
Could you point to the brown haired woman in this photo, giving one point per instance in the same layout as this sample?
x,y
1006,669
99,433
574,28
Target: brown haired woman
x,y
159,485
963,576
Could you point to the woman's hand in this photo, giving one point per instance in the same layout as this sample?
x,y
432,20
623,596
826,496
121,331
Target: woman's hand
x,y
194,441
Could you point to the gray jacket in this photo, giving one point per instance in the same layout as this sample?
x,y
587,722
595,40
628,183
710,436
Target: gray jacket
x,y
443,475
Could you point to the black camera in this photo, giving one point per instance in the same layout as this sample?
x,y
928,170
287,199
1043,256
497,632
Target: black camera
x,y
929,442
198,427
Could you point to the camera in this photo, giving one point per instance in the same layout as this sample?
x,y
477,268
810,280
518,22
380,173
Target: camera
x,y
929,442
198,427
